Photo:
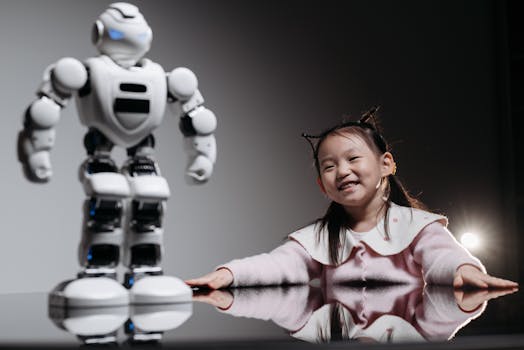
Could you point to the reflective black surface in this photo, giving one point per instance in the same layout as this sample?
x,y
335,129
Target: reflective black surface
x,y
292,317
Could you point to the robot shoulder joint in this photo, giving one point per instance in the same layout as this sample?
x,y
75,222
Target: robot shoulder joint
x,y
68,75
182,83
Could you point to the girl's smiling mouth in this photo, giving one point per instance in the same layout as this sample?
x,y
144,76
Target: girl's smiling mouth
x,y
345,185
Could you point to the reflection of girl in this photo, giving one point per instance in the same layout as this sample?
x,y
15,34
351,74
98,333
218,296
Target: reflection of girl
x,y
398,313
373,229
394,313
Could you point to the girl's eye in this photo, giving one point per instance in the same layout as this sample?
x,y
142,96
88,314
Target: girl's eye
x,y
353,158
328,167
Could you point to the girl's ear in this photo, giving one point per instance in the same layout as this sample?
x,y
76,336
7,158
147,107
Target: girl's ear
x,y
389,166
321,185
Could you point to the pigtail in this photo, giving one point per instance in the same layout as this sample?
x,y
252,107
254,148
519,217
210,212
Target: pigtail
x,y
335,221
399,195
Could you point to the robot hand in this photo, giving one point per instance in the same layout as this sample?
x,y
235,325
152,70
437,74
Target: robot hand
x,y
202,155
200,169
38,167
36,163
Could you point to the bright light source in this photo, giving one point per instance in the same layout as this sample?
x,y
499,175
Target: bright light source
x,y
470,240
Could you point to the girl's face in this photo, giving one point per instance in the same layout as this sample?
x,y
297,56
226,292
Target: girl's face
x,y
350,171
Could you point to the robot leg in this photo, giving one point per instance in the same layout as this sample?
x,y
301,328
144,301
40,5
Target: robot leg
x,y
106,190
99,249
144,235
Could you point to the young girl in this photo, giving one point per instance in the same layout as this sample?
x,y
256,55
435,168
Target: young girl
x,y
372,231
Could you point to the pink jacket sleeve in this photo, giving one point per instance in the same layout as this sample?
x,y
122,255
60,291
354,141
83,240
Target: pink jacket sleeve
x,y
286,264
439,254
439,317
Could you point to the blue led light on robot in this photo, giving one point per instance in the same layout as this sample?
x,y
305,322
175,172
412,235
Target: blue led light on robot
x,y
115,34
92,208
131,326
89,255
131,281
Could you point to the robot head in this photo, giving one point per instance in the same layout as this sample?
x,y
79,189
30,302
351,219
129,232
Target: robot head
x,y
122,33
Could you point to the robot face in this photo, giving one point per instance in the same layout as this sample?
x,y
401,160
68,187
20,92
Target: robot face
x,y
122,33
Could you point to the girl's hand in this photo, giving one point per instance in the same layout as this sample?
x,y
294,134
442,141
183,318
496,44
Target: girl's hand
x,y
471,300
469,275
218,298
220,278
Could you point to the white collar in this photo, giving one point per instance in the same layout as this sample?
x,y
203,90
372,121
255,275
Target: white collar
x,y
404,225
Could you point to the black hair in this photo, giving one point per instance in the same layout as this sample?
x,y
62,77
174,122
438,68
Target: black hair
x,y
336,219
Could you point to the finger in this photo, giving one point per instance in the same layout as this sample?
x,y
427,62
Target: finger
x,y
194,282
201,281
499,282
501,292
203,298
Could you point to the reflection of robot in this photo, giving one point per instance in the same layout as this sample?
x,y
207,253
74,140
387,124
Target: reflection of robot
x,y
121,97
141,324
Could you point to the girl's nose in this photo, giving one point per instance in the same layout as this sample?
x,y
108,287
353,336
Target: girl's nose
x,y
343,170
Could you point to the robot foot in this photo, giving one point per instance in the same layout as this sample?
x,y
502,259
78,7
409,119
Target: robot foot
x,y
89,292
159,290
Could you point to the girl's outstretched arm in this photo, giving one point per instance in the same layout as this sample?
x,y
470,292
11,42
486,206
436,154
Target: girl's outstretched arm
x,y
287,264
469,275
221,278
445,262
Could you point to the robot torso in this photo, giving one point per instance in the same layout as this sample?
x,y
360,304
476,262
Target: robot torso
x,y
125,104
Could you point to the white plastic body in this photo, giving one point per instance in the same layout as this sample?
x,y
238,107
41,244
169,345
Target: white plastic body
x,y
97,109
89,292
160,290
149,188
106,186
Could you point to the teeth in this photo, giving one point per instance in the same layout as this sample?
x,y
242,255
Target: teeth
x,y
346,185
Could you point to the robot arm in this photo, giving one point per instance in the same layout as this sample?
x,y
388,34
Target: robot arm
x,y
197,124
37,138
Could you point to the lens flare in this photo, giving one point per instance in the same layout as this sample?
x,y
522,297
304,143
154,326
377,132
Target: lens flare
x,y
470,240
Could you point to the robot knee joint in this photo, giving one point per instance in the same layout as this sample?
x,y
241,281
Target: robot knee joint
x,y
103,215
146,216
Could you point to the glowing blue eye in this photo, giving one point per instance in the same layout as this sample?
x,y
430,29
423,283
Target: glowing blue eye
x,y
115,34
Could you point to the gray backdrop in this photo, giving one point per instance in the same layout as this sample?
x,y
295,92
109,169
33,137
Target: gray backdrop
x,y
269,70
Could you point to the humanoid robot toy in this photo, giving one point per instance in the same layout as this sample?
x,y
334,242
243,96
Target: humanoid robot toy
x,y
121,98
